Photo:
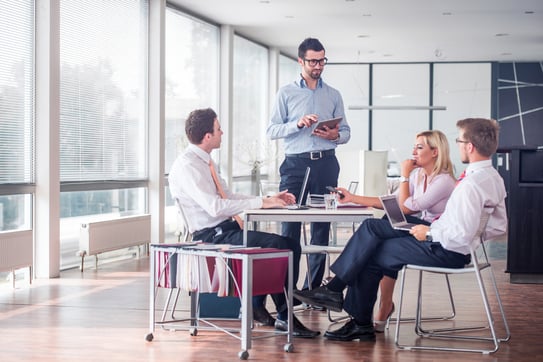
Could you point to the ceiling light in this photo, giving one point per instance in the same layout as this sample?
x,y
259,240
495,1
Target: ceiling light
x,y
392,96
528,12
446,13
502,34
362,36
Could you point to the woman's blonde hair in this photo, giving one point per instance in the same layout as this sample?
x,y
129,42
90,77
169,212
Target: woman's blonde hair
x,y
437,140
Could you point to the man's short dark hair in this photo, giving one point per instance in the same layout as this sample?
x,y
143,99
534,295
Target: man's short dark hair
x,y
482,133
198,123
309,44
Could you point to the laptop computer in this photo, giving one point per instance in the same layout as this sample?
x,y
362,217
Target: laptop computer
x,y
298,205
395,214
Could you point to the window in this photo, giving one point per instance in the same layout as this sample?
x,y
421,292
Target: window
x,y
192,77
103,108
465,89
192,80
251,149
16,113
103,90
399,85
289,70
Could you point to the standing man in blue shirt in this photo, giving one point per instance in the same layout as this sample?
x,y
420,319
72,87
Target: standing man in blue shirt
x,y
299,105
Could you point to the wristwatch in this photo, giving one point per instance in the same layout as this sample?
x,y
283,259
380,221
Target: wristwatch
x,y
429,236
404,179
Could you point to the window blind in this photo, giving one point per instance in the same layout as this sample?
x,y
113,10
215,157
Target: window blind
x,y
103,90
16,92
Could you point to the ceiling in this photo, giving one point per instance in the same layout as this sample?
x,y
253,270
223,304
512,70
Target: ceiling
x,y
383,31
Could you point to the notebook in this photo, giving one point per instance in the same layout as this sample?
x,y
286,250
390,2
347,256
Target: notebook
x,y
395,214
298,205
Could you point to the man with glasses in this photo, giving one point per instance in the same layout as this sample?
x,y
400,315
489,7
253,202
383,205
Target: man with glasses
x,y
299,105
376,249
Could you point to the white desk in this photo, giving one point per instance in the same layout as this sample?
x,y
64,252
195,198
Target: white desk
x,y
247,284
342,214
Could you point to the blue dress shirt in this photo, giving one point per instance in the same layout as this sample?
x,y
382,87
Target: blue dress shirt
x,y
295,100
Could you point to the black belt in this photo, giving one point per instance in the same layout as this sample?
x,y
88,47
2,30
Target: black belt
x,y
315,155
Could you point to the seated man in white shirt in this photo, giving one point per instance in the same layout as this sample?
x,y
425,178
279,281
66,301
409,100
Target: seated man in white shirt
x,y
376,249
210,207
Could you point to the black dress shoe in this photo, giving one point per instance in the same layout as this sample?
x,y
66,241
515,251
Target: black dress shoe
x,y
263,317
322,297
298,329
352,330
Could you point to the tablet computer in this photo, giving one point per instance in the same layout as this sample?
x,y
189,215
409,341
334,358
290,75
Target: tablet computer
x,y
330,123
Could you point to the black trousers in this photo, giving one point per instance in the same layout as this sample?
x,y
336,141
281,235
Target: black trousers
x,y
376,249
324,172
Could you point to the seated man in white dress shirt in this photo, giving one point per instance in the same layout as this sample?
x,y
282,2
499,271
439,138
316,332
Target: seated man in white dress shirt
x,y
376,249
210,215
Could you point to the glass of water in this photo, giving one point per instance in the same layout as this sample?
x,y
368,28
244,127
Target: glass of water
x,y
330,201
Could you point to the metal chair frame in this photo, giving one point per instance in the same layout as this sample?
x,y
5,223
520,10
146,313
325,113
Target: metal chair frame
x,y
479,262
184,236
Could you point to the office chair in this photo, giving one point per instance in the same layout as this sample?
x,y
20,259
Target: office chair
x,y
479,262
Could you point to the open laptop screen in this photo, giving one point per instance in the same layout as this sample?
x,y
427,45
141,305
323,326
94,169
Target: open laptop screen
x,y
393,210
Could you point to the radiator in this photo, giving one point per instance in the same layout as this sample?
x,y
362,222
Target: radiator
x,y
107,235
16,249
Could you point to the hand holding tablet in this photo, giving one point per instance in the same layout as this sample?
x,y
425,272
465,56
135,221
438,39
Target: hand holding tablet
x,y
330,123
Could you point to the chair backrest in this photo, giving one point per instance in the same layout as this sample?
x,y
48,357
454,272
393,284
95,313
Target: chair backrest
x,y
353,186
480,234
185,235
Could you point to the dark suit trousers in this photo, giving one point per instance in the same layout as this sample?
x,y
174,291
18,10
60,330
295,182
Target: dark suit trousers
x,y
324,172
376,249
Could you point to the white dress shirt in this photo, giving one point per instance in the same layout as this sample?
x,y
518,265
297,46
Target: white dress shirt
x,y
482,190
192,184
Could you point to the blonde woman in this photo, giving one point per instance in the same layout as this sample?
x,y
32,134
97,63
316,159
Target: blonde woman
x,y
426,182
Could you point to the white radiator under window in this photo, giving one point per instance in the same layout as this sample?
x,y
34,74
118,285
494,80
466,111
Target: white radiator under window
x,y
16,249
101,236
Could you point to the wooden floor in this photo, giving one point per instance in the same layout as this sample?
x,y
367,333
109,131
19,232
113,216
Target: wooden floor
x,y
102,315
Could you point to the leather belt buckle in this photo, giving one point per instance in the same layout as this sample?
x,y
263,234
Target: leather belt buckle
x,y
315,155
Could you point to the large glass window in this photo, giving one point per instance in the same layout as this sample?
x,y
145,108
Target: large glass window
x,y
465,89
192,81
103,107
252,152
352,81
399,87
192,77
289,70
16,113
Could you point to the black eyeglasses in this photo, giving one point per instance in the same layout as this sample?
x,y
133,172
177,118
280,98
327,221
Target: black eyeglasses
x,y
460,141
314,62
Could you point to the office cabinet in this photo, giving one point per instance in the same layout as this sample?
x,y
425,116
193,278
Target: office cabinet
x,y
522,170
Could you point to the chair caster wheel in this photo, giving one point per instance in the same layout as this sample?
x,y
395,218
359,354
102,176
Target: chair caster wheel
x,y
243,355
